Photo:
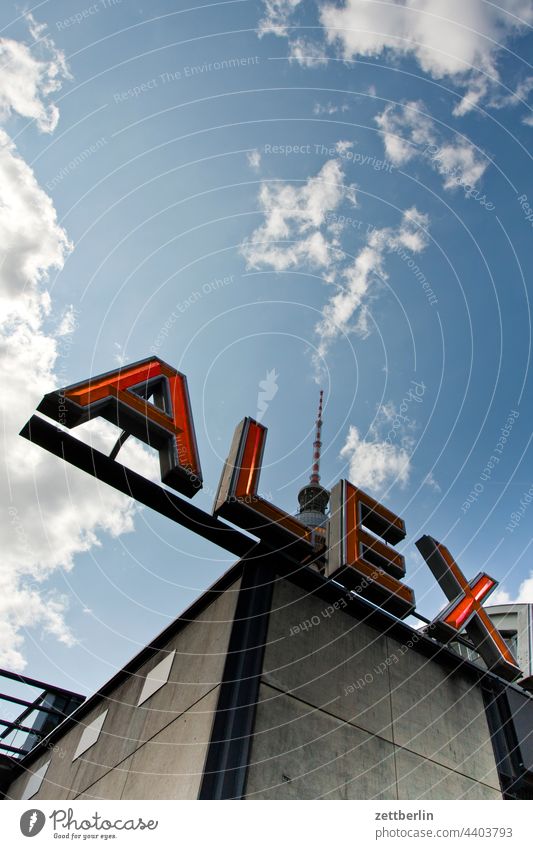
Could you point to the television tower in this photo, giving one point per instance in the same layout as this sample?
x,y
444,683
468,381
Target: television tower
x,y
313,498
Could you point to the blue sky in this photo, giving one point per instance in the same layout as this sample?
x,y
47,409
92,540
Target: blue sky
x,y
325,195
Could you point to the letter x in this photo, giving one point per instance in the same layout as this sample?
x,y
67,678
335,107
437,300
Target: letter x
x,y
465,610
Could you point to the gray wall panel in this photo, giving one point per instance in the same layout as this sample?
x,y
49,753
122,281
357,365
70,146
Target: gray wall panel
x,y
299,752
323,664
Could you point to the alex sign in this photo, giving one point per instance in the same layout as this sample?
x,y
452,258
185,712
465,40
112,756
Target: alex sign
x,y
150,400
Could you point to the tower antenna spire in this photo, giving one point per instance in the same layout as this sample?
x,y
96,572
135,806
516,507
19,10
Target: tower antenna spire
x,y
317,444
313,498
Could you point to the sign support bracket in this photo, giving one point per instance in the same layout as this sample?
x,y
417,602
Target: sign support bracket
x,y
57,441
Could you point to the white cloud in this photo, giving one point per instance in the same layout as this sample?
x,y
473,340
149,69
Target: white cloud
x,y
28,79
119,355
457,40
375,464
307,53
293,217
515,98
342,147
524,595
383,457
297,233
459,164
329,108
291,235
254,159
347,310
432,482
499,97
409,133
448,38
406,129
476,93
277,17
53,511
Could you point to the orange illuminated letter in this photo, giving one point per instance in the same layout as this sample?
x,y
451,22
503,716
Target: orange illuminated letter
x,y
121,397
237,498
359,559
465,611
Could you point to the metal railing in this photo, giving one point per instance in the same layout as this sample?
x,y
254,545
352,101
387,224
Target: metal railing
x,y
39,717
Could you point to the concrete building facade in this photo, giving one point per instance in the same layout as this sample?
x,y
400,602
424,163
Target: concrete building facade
x,y
280,684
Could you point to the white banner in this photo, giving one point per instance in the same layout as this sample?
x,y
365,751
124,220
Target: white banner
x,y
263,824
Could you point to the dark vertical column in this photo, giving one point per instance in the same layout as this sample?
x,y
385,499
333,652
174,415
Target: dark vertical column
x,y
228,752
503,737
